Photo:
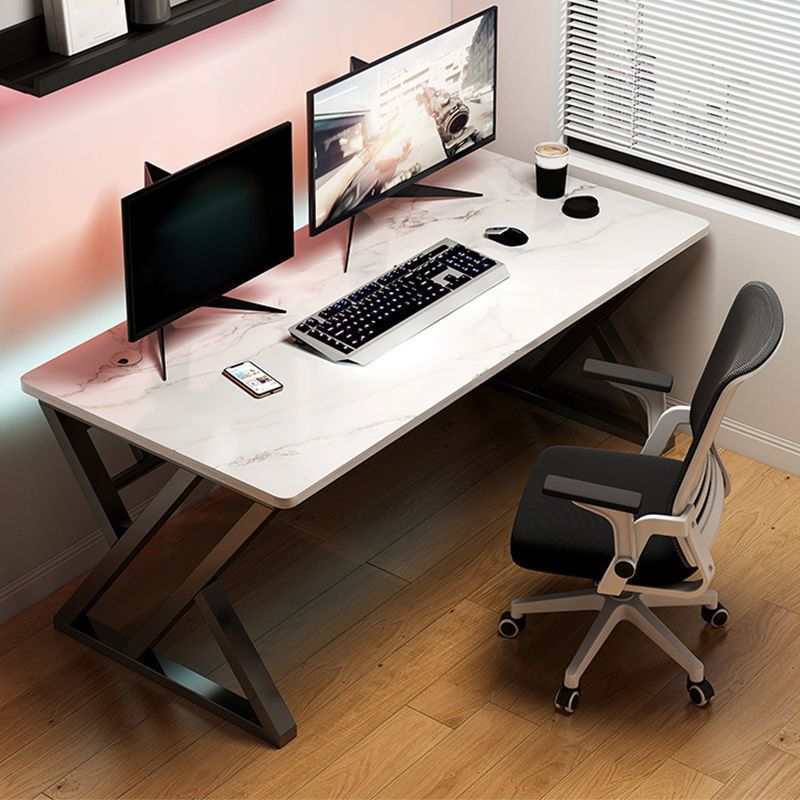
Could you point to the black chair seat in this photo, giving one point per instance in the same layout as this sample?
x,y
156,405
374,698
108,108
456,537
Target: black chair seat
x,y
555,536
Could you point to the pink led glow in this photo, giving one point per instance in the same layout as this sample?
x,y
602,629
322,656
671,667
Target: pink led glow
x,y
66,159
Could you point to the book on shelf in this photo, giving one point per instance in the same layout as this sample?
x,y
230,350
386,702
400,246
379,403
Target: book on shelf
x,y
76,25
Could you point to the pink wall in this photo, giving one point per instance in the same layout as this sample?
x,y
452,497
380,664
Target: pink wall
x,y
67,158
65,161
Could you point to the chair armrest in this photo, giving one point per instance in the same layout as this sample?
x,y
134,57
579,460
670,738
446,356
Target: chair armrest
x,y
627,375
595,494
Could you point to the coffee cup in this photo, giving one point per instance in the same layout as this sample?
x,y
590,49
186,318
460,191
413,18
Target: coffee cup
x,y
551,169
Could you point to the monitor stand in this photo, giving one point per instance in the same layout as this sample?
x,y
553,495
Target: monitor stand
x,y
223,301
419,191
152,173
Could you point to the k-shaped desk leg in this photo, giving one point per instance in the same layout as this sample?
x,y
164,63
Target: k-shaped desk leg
x,y
262,710
530,378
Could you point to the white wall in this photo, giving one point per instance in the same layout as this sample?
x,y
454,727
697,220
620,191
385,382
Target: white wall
x,y
14,11
527,72
66,159
672,321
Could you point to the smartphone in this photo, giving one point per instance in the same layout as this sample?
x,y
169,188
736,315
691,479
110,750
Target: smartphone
x,y
252,379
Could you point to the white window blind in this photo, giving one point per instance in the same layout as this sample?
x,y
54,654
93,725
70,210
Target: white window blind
x,y
710,87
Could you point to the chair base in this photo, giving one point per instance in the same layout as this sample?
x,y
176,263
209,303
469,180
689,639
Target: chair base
x,y
633,608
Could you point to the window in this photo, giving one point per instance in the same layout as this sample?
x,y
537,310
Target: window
x,y
705,91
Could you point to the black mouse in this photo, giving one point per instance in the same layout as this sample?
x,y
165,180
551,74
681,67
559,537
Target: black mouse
x,y
510,237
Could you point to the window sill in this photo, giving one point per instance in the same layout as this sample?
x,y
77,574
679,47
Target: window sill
x,y
586,166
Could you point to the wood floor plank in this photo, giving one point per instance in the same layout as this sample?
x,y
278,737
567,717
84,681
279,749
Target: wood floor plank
x,y
738,730
771,494
55,698
522,676
607,705
675,781
784,561
475,681
769,774
743,470
788,737
42,657
666,721
320,621
440,534
191,772
530,770
449,768
144,749
291,578
38,617
399,619
377,759
364,705
108,716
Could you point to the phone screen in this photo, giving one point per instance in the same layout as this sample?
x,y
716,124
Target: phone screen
x,y
253,378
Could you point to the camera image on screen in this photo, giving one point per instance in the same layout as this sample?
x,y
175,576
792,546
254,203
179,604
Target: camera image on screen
x,y
401,117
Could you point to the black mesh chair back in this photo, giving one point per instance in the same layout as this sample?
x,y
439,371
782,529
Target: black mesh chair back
x,y
750,335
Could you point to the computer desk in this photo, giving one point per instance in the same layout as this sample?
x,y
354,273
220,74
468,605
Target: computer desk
x,y
280,450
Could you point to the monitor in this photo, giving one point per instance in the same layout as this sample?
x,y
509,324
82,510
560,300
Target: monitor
x,y
198,233
396,120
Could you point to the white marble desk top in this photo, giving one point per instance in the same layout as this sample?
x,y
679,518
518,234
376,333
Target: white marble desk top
x,y
281,449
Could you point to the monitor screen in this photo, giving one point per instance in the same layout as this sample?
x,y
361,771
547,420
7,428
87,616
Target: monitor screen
x,y
400,118
200,232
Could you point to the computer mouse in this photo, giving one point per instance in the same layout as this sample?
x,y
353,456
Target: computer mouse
x,y
510,237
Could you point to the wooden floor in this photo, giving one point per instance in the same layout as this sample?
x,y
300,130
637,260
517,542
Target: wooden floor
x,y
375,606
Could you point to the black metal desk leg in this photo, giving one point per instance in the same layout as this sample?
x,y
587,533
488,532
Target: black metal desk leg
x,y
532,381
253,676
207,571
90,472
178,489
262,710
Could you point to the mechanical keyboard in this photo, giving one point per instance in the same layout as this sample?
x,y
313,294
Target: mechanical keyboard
x,y
400,303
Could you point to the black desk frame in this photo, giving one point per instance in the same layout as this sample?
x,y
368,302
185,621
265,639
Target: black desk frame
x,y
536,388
262,711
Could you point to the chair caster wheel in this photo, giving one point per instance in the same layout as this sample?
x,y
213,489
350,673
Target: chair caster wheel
x,y
567,699
716,617
700,693
508,627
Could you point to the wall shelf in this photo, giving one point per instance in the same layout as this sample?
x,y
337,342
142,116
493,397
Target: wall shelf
x,y
28,66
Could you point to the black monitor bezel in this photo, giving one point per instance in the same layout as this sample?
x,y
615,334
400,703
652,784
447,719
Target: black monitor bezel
x,y
312,211
136,335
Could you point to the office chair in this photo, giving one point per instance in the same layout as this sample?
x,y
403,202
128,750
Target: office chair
x,y
641,525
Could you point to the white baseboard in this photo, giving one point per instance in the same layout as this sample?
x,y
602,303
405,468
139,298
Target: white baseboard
x,y
760,446
768,448
53,574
